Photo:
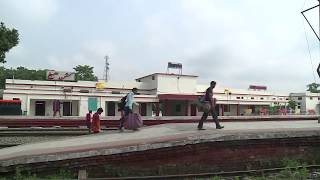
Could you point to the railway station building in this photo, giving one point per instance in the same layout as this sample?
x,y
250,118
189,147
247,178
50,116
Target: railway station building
x,y
160,94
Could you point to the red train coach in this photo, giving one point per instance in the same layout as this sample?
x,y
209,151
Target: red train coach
x,y
10,107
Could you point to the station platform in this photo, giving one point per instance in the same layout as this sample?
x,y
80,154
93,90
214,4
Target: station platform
x,y
113,121
171,148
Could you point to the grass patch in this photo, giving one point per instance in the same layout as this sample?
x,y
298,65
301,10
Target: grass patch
x,y
23,175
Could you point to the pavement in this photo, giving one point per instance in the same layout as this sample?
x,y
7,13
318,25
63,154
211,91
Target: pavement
x,y
152,137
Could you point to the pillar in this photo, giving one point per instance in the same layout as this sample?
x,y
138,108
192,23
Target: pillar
x,y
222,109
157,109
238,109
187,108
166,108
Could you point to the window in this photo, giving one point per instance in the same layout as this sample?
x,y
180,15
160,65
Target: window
x,y
311,98
280,98
226,108
274,98
287,98
261,98
238,97
178,108
153,77
299,98
241,97
318,98
252,97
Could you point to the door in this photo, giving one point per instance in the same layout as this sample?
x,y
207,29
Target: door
x,y
193,109
111,108
143,109
67,109
92,104
40,108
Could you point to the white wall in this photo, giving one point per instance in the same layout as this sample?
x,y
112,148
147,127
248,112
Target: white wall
x,y
311,103
148,82
176,84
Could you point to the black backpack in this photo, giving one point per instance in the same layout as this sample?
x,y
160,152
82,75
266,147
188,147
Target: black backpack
x,y
122,103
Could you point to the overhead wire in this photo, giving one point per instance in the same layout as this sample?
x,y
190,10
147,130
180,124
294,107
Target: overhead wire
x,y
308,45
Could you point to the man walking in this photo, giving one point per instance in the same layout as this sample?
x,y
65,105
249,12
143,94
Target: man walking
x,y
209,99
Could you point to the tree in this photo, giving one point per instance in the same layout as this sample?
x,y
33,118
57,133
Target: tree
x,y
273,109
313,87
20,73
85,73
292,104
8,39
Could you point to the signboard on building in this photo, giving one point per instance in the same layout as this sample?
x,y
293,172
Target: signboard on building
x,y
174,65
60,75
100,85
254,87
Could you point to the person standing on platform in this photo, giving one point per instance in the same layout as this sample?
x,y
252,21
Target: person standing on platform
x,y
209,99
89,120
56,108
128,106
95,125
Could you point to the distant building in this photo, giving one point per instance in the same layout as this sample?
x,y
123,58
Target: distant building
x,y
307,103
159,94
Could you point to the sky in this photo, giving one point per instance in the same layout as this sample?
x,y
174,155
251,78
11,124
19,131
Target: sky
x,y
236,43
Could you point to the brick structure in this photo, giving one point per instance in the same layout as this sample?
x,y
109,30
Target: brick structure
x,y
183,151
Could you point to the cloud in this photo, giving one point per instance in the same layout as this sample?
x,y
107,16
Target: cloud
x,y
236,43
39,11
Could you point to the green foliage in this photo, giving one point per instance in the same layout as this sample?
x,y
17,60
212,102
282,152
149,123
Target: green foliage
x,y
62,174
273,109
22,175
294,170
20,73
85,73
216,178
8,39
292,104
313,88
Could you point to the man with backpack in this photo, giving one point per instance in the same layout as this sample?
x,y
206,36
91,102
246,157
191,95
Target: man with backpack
x,y
211,108
128,101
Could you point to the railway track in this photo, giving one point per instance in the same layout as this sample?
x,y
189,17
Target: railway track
x,y
314,174
15,136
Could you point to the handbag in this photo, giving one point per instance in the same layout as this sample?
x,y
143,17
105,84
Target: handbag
x,y
203,105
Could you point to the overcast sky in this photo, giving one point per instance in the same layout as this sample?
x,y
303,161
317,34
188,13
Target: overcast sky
x,y
237,42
